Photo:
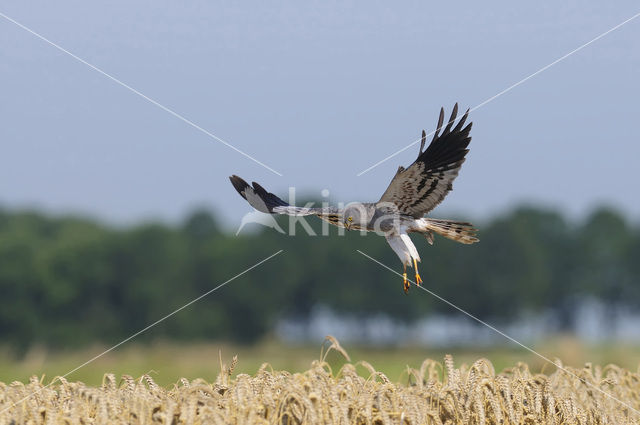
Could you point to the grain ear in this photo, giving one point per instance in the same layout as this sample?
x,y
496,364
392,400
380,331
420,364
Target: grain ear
x,y
337,391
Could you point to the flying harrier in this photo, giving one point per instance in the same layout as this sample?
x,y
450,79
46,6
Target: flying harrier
x,y
413,192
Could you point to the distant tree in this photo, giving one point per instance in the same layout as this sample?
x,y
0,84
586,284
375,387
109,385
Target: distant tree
x,y
200,226
605,241
71,281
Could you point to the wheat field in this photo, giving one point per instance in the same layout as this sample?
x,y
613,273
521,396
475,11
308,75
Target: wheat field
x,y
435,393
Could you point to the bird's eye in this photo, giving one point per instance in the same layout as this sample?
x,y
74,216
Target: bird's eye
x,y
350,219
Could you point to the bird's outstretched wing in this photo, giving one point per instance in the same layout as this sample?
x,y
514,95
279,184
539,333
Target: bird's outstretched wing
x,y
267,202
425,183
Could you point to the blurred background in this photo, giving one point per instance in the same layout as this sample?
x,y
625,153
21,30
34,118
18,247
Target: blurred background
x,y
114,212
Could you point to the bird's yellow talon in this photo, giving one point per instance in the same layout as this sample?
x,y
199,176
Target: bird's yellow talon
x,y
415,267
405,283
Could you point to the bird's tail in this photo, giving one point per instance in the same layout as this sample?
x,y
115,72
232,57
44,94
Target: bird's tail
x,y
458,231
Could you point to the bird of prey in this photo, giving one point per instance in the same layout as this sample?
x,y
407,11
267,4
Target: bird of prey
x,y
413,192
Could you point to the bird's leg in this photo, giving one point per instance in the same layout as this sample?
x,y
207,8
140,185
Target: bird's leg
x,y
415,265
405,281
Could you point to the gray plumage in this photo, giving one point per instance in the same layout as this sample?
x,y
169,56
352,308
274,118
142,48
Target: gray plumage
x,y
411,194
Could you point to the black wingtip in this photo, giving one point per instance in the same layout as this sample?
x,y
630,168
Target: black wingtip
x,y
239,184
259,189
462,121
269,198
454,114
439,126
423,141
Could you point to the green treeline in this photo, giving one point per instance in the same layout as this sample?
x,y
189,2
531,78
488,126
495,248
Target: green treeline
x,y
73,281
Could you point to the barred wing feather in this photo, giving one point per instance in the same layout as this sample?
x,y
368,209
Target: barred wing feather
x,y
425,183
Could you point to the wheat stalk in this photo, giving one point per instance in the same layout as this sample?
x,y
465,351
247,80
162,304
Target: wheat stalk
x,y
474,395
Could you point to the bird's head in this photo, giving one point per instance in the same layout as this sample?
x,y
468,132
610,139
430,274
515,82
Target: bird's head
x,y
355,215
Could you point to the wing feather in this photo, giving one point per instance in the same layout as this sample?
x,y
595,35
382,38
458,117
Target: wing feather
x,y
420,187
439,127
267,202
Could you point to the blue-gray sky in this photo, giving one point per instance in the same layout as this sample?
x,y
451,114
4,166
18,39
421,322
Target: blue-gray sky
x,y
318,91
